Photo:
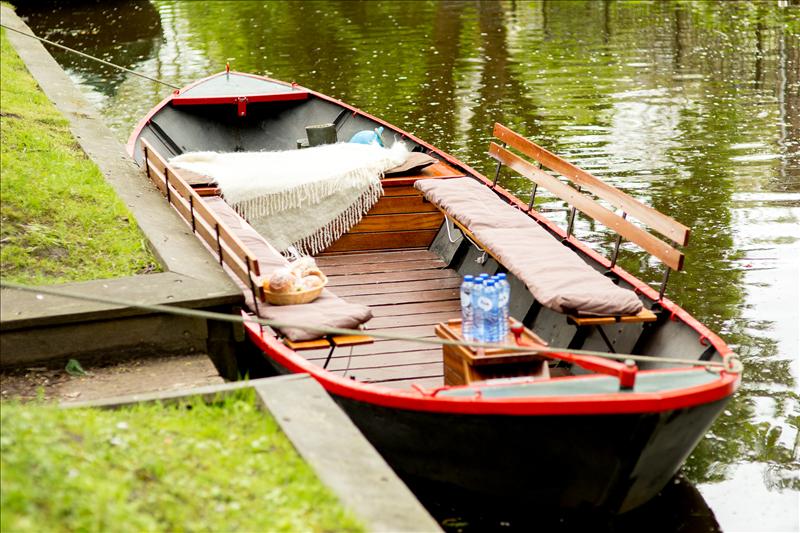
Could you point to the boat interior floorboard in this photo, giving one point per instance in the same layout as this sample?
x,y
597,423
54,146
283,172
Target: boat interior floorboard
x,y
409,292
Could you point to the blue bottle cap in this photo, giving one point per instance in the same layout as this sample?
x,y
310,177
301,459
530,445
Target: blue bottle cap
x,y
489,282
468,277
484,276
501,275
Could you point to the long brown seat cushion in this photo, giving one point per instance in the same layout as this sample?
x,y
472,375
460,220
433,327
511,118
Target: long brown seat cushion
x,y
327,310
556,276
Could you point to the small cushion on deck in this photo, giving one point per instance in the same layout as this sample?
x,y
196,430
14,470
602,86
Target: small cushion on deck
x,y
556,276
415,162
327,310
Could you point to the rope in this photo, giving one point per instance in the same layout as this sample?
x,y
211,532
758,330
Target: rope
x,y
104,62
449,235
730,364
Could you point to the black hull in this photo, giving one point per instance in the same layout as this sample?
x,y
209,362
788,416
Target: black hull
x,y
596,463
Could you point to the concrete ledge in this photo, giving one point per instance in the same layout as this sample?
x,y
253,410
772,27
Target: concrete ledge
x,y
25,309
192,279
327,440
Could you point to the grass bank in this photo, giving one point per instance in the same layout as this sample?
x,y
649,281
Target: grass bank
x,y
197,467
59,219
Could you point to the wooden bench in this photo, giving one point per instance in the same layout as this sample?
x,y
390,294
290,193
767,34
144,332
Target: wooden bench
x,y
668,227
228,242
663,224
573,195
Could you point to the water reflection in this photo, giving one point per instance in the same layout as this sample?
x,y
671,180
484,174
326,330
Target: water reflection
x,y
692,107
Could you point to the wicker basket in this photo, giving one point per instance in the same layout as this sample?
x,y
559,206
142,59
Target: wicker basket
x,y
293,298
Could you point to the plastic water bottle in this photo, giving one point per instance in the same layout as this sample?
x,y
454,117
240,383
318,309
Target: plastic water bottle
x,y
478,316
504,297
467,311
489,304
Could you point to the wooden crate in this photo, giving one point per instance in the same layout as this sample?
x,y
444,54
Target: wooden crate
x,y
463,365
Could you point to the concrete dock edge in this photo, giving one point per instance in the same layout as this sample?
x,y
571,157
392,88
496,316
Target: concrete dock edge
x,y
192,277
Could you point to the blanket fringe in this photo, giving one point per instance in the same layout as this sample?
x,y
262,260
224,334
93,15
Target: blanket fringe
x,y
305,194
330,233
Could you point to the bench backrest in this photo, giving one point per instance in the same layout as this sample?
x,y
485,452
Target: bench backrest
x,y
648,216
229,248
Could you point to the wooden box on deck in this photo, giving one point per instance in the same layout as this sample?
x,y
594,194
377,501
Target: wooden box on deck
x,y
463,366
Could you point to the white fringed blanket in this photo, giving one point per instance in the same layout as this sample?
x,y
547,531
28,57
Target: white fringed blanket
x,y
306,198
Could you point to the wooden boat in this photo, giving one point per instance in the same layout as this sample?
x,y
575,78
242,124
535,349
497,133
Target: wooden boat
x,y
533,429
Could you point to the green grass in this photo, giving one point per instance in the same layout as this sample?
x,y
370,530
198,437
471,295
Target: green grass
x,y
197,467
59,219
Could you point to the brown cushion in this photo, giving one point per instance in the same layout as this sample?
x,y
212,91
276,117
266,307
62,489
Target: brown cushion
x,y
471,203
556,276
415,162
327,310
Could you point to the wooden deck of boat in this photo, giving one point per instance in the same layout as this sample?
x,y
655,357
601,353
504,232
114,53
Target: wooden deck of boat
x,y
409,292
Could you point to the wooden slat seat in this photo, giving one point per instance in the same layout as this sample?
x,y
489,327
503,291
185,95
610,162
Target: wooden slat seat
x,y
645,315
493,225
329,342
665,225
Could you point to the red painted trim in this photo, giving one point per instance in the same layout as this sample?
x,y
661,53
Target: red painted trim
x,y
232,100
414,400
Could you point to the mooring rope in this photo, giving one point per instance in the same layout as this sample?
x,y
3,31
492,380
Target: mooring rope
x,y
93,58
729,364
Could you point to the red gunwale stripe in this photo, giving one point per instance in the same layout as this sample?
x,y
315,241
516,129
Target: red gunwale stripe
x,y
632,402
213,100
545,405
137,131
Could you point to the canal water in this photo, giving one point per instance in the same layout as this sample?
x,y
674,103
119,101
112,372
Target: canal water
x,y
692,107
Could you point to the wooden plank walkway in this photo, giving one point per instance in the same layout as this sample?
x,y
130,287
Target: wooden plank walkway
x,y
409,292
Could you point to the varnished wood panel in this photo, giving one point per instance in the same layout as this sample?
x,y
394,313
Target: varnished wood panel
x,y
372,257
387,359
389,277
379,347
377,375
660,222
398,222
453,306
402,305
406,297
375,241
401,204
410,320
386,266
399,287
404,190
652,244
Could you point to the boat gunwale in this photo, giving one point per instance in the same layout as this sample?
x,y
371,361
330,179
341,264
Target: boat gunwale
x,y
420,400
623,402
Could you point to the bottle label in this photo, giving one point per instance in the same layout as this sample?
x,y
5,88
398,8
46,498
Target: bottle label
x,y
466,301
503,298
485,303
